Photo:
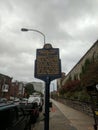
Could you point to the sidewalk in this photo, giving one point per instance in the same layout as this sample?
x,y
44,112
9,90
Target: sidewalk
x,y
77,119
63,117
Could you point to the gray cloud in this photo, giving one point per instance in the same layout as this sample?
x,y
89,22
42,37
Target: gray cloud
x,y
71,26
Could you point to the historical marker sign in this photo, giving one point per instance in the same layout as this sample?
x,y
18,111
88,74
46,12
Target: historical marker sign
x,y
47,63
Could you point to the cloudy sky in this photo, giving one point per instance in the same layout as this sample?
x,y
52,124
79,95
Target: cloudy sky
x,y
70,25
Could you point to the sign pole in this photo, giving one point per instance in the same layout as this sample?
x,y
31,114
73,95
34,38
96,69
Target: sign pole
x,y
47,68
47,96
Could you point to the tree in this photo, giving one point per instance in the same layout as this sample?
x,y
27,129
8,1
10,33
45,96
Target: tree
x,y
29,89
69,86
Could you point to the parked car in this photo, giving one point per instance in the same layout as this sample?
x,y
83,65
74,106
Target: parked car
x,y
36,99
13,117
24,100
2,100
16,99
39,101
32,108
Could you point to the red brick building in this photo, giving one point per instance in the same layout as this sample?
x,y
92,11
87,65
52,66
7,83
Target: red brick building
x,y
5,85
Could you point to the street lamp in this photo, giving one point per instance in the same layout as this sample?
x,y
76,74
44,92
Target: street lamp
x,y
25,29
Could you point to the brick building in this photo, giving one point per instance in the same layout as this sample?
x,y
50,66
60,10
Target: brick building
x,y
9,88
5,85
17,89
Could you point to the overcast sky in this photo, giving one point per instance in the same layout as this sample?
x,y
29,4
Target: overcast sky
x,y
70,25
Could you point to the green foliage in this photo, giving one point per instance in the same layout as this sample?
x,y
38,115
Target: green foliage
x,y
85,66
62,91
87,62
75,89
29,89
83,96
77,95
71,85
75,77
91,75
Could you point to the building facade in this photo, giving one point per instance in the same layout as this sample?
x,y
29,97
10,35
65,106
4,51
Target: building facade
x,y
17,89
91,54
5,86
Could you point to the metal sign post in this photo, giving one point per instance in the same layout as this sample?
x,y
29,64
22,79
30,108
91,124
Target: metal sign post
x,y
47,68
47,97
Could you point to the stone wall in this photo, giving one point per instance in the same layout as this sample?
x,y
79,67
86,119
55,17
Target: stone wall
x,y
84,107
92,54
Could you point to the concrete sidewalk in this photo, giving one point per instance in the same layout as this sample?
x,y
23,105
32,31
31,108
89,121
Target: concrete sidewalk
x,y
63,117
77,119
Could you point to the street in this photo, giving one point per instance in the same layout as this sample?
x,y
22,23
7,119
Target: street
x,y
65,118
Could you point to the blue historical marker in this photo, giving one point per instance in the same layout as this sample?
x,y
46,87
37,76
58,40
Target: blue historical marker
x,y
47,63
47,68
